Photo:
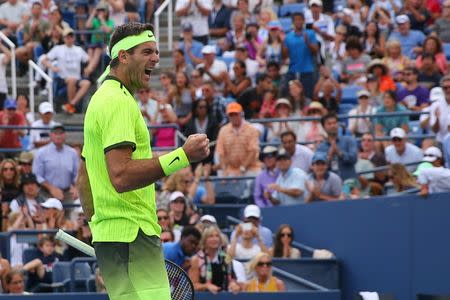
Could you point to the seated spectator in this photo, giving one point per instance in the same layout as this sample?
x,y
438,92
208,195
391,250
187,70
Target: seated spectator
x,y
211,67
359,126
283,243
268,106
29,196
442,24
181,251
312,131
328,91
411,40
5,57
10,187
83,233
179,211
297,97
219,20
10,138
267,176
379,69
263,281
179,62
15,283
373,41
439,115
211,270
182,99
19,221
251,65
191,47
384,125
167,236
401,151
429,75
323,185
394,59
217,103
401,178
251,99
149,107
252,214
283,110
241,246
164,219
337,49
4,269
369,152
238,145
197,81
274,71
289,188
433,46
41,137
183,181
418,14
413,96
437,178
301,155
355,64
54,215
13,15
341,150
237,81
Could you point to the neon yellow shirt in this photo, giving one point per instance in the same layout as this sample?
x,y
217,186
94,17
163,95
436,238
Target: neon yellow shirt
x,y
114,119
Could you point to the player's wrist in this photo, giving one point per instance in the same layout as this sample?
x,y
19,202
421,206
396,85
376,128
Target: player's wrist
x,y
174,161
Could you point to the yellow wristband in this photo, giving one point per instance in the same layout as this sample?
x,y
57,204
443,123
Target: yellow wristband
x,y
173,161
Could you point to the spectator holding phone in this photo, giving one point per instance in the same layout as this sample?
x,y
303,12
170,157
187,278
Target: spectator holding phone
x,y
245,249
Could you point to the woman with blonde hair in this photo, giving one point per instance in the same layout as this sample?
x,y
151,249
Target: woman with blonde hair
x,y
263,280
394,59
401,178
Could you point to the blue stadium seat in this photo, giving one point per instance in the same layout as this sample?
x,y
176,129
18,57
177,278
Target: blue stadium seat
x,y
61,276
344,108
227,60
221,211
349,94
29,254
447,50
286,23
69,17
288,9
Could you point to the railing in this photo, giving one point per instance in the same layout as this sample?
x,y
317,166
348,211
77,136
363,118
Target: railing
x,y
159,11
11,45
35,68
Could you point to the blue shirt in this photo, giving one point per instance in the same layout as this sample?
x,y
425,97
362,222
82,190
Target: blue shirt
x,y
174,253
261,182
413,39
301,58
58,167
196,50
346,163
294,178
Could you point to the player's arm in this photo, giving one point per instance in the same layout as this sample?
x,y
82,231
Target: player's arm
x,y
127,174
84,189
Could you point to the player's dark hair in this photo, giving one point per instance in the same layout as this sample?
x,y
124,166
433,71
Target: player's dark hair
x,y
190,230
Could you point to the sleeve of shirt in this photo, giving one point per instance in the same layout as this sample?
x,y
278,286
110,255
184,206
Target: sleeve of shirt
x,y
330,27
421,179
118,125
350,152
38,167
258,192
239,271
84,56
336,187
53,54
312,37
75,164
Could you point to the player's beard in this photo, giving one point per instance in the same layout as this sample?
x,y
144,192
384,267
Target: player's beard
x,y
136,77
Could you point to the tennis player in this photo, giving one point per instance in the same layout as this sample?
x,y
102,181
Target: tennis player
x,y
116,178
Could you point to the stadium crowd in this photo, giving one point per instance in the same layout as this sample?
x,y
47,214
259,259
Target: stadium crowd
x,y
268,83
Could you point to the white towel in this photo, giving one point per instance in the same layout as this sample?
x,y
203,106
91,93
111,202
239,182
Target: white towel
x,y
369,295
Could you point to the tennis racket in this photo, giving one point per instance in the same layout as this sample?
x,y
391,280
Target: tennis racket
x,y
181,287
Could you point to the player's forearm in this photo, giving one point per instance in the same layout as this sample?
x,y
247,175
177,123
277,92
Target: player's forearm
x,y
84,189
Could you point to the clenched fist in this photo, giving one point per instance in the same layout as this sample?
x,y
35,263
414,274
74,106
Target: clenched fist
x,y
196,147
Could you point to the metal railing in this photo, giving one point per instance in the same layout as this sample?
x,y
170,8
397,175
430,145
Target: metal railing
x,y
159,11
31,84
11,46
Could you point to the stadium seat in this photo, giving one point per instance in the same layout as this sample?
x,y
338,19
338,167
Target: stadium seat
x,y
228,60
286,23
90,284
349,94
447,50
69,17
61,276
288,9
221,211
344,108
29,254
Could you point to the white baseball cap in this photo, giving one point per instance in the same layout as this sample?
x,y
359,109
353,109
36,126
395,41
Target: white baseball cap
x,y
209,49
315,2
398,132
363,93
431,154
45,107
53,203
252,211
175,195
401,19
208,218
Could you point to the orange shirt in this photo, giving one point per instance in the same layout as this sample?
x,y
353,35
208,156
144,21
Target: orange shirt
x,y
387,84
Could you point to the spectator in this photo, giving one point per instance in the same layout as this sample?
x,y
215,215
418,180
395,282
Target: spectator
x,y
283,110
263,281
429,76
410,40
9,181
181,251
180,212
238,145
271,48
328,91
25,162
323,185
359,126
251,65
183,98
442,25
297,97
252,41
437,178
355,64
219,20
346,20
41,137
312,131
413,96
216,103
4,269
401,178
273,70
283,243
23,107
267,176
164,219
368,151
196,13
10,138
341,150
265,16
384,125
433,45
167,236
5,57
322,24
244,248
401,151
337,49
301,155
394,59
379,69
252,214
65,61
235,37
15,283
56,166
251,99
165,137
440,114
391,7
207,221
211,67
417,14
242,7
13,15
211,270
179,62
237,81
191,47
197,82
268,108
373,41
83,233
18,221
301,46
29,196
149,107
53,216
289,188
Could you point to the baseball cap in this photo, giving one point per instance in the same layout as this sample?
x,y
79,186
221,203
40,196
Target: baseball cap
x,y
397,133
53,203
282,153
319,156
234,107
315,2
67,31
432,154
187,27
209,49
252,211
401,19
363,93
175,195
283,101
269,150
347,11
45,107
58,127
208,218
28,178
25,157
10,103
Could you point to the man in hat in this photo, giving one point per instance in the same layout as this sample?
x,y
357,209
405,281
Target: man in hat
x,y
267,176
402,151
359,126
323,185
413,96
25,162
437,178
191,48
56,166
238,145
252,214
41,137
10,138
411,40
196,13
290,186
211,67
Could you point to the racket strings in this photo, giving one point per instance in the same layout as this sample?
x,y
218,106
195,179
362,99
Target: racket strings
x,y
180,285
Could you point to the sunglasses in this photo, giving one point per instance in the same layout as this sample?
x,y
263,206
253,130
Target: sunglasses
x,y
160,218
264,263
396,139
286,234
24,164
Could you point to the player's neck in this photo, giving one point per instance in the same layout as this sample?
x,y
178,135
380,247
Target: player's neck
x,y
120,74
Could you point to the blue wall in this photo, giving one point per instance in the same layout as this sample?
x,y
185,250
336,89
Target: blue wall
x,y
395,245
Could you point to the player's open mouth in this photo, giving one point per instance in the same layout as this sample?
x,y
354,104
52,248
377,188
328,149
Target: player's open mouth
x,y
148,72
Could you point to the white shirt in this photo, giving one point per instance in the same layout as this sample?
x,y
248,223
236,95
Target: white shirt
x,y
302,158
437,179
31,203
325,24
246,253
251,67
39,135
411,154
444,119
14,13
3,85
152,109
362,125
68,60
198,21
